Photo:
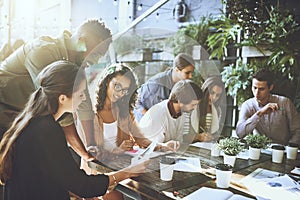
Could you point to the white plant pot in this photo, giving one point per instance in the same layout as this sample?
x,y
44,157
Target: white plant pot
x,y
230,160
215,151
254,153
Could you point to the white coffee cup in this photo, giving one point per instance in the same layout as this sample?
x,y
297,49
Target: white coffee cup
x,y
277,153
166,166
223,175
291,151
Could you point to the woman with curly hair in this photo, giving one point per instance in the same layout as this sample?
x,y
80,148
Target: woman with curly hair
x,y
115,126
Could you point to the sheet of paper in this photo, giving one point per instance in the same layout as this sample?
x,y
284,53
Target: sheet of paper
x,y
242,155
260,173
214,194
186,164
140,151
151,155
296,171
204,145
271,185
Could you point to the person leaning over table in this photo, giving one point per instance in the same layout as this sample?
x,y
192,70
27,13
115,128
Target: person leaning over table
x,y
272,115
210,110
166,120
19,71
35,148
158,87
116,129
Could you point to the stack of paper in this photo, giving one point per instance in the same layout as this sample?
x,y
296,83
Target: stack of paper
x,y
272,185
214,194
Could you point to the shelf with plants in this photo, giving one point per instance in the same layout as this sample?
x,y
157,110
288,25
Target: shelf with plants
x,y
267,28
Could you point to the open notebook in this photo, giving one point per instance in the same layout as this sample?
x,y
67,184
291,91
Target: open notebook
x,y
214,194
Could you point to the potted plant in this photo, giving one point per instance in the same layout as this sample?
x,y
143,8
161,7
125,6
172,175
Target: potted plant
x,y
231,147
256,142
237,80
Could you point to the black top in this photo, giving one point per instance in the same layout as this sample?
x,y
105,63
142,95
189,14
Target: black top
x,y
43,167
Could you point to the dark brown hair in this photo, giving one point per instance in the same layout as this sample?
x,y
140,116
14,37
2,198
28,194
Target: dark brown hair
x,y
183,60
127,102
61,77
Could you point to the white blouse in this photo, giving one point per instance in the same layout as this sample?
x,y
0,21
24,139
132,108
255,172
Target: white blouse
x,y
110,131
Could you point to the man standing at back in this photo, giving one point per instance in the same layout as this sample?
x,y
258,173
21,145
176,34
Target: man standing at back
x,y
158,88
271,115
19,71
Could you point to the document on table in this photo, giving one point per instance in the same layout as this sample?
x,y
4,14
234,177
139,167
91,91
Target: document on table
x,y
214,194
296,171
242,155
186,164
148,152
271,185
204,145
153,154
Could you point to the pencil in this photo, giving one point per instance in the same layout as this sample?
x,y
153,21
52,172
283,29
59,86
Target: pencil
x,y
131,138
202,128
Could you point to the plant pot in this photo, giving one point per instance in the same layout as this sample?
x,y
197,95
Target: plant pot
x,y
215,151
229,159
254,153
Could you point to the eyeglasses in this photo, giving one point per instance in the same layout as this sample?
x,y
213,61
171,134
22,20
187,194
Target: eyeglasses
x,y
118,88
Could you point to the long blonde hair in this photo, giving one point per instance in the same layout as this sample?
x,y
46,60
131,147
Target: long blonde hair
x,y
61,77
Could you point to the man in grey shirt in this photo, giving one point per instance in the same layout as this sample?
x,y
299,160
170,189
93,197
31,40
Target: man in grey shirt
x,y
272,115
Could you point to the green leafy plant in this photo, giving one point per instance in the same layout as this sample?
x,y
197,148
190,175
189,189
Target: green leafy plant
x,y
230,146
226,32
257,141
279,36
237,80
190,35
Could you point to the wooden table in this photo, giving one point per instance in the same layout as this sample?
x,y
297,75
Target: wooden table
x,y
149,185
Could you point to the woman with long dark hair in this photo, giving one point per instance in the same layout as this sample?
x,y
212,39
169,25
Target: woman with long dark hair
x,y
35,149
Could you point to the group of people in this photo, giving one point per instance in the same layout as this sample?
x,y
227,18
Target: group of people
x,y
44,95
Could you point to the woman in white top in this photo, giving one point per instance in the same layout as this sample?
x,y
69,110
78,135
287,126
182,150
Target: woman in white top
x,y
116,129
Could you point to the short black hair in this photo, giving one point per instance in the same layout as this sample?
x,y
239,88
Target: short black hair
x,y
264,75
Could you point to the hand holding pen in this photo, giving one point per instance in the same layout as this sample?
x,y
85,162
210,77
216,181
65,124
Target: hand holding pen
x,y
127,145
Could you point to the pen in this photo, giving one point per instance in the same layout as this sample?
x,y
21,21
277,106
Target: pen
x,y
176,158
202,128
142,154
175,145
131,138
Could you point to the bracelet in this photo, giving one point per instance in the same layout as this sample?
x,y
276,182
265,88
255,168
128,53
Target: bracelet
x,y
115,181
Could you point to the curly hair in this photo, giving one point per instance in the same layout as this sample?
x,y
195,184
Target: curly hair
x,y
127,102
96,28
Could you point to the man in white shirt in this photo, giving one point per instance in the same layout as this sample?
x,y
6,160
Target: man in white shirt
x,y
169,119
272,115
